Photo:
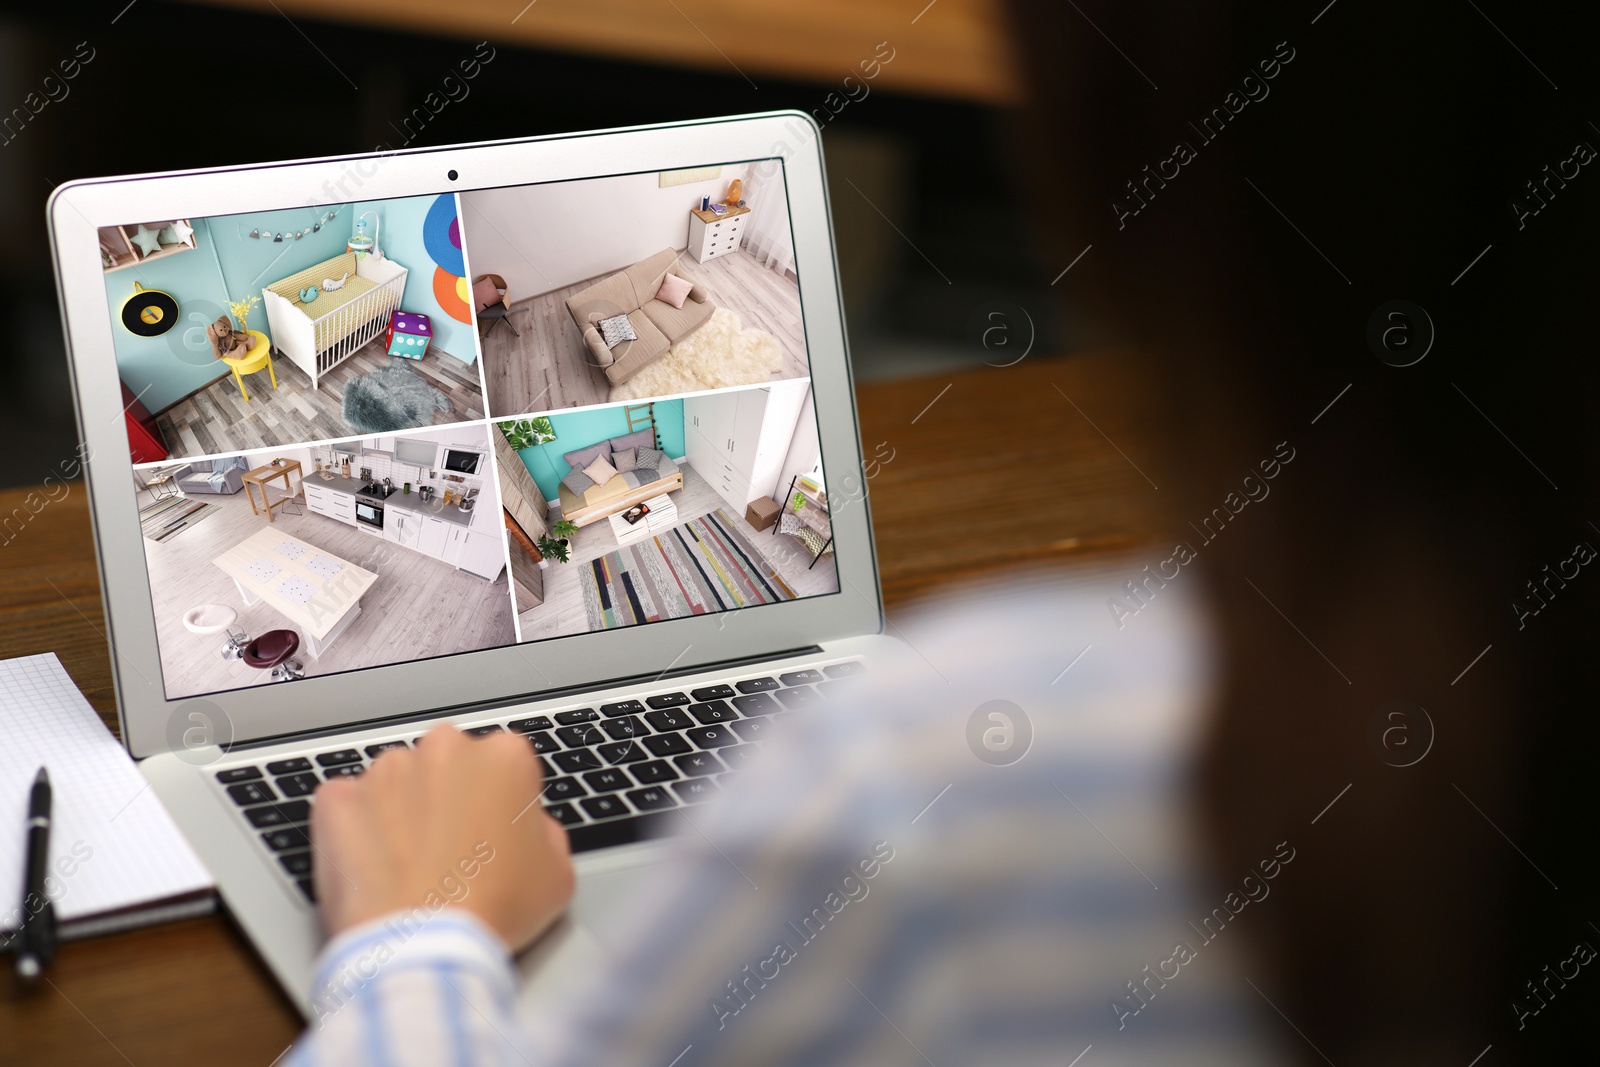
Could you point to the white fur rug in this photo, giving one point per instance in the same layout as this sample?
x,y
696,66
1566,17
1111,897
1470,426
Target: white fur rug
x,y
718,354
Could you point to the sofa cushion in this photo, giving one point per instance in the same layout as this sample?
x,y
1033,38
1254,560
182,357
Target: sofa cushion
x,y
646,274
650,458
577,481
600,470
582,457
677,323
674,290
624,459
630,357
616,330
606,297
597,347
637,439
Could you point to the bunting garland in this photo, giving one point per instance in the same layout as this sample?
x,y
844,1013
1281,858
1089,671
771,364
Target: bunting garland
x,y
280,236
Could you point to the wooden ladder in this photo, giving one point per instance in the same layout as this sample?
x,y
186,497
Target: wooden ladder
x,y
648,418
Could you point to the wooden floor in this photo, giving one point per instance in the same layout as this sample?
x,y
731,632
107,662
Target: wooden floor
x,y
547,368
419,606
217,420
562,611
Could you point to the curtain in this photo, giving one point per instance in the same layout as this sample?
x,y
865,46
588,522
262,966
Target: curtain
x,y
767,234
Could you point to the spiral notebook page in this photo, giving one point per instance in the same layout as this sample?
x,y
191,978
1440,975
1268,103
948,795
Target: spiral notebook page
x,y
112,844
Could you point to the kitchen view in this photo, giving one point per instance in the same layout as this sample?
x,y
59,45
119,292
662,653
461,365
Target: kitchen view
x,y
276,565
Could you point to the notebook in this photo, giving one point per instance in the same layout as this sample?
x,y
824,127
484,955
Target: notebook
x,y
116,859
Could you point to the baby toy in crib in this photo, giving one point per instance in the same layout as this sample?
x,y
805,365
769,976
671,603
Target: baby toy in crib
x,y
330,285
308,294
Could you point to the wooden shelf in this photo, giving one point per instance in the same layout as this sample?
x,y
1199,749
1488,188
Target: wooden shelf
x,y
118,240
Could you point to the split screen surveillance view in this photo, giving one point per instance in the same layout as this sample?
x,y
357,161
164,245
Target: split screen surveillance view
x,y
384,431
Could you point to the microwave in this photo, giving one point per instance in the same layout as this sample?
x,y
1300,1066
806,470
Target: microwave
x,y
462,460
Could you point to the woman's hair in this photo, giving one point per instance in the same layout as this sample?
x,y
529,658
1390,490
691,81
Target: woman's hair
x,y
1364,235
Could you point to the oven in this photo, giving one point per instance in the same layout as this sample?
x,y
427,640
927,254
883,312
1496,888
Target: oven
x,y
369,513
462,460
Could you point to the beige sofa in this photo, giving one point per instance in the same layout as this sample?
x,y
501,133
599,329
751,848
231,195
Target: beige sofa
x,y
658,324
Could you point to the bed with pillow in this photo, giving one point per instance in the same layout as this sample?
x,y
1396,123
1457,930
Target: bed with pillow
x,y
614,475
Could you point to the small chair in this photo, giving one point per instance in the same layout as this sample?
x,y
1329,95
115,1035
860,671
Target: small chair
x,y
216,619
274,651
260,355
496,312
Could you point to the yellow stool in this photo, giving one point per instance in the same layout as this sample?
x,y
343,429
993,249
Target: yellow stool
x,y
260,356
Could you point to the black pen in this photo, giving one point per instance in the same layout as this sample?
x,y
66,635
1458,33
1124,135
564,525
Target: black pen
x,y
36,941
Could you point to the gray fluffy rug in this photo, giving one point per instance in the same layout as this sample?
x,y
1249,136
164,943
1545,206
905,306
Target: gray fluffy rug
x,y
391,398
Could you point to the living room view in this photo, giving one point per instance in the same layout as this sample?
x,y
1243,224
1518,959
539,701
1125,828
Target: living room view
x,y
634,286
303,324
636,513
315,559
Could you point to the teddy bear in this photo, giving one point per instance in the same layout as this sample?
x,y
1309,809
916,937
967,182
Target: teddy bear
x,y
226,342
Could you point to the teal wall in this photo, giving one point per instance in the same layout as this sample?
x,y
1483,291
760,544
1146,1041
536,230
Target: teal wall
x,y
400,236
579,429
227,263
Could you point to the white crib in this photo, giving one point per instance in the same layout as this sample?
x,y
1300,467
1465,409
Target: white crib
x,y
324,333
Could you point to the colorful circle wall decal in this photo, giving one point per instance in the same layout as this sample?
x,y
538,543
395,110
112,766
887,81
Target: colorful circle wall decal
x,y
441,236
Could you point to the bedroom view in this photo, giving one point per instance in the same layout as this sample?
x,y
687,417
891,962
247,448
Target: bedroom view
x,y
638,513
252,331
634,286
310,560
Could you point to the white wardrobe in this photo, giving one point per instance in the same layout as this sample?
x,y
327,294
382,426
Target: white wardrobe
x,y
737,439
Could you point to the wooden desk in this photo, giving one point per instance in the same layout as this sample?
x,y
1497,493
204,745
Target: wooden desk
x,y
261,476
1042,484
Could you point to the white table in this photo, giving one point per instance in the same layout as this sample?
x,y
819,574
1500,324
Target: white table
x,y
335,600
629,532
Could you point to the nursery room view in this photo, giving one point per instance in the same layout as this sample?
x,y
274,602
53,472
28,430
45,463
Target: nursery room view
x,y
634,286
316,559
247,331
636,513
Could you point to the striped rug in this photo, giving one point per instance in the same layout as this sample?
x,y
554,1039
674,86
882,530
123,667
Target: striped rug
x,y
169,517
698,568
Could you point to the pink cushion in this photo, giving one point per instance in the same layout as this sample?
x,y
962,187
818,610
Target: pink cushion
x,y
600,470
674,290
484,293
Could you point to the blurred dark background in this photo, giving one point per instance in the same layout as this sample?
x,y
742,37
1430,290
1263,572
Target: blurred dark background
x,y
174,86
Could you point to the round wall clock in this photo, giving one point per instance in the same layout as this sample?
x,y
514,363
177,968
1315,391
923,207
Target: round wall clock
x,y
149,312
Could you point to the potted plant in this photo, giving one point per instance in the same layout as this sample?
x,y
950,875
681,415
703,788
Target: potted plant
x,y
557,544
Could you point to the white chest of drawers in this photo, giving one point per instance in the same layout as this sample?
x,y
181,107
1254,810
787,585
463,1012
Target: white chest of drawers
x,y
712,235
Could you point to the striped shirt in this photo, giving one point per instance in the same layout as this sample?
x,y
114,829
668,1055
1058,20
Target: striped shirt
x,y
983,855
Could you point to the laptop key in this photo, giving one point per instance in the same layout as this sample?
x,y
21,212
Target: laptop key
x,y
527,726
251,793
667,700
348,770
757,704
289,766
622,752
543,742
608,781
801,696
296,862
714,692
335,759
622,707
573,718
806,677
308,890
697,763
739,756
666,744
845,670
695,790
669,720
576,761
713,711
384,746
564,813
283,814
627,726
751,729
285,838
483,731
563,789
603,807
711,736
580,736
299,785
238,774
652,799
757,685
657,770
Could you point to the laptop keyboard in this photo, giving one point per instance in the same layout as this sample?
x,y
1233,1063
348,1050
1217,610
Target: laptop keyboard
x,y
613,773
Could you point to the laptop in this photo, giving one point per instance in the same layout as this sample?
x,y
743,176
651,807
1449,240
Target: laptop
x,y
553,436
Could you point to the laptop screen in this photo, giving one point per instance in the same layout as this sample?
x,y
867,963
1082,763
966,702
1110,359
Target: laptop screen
x,y
373,432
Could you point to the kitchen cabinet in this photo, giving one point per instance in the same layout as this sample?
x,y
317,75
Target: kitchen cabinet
x,y
737,440
455,541
432,536
384,444
320,500
402,527
483,554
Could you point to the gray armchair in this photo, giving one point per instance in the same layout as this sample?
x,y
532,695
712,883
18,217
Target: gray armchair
x,y
222,477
